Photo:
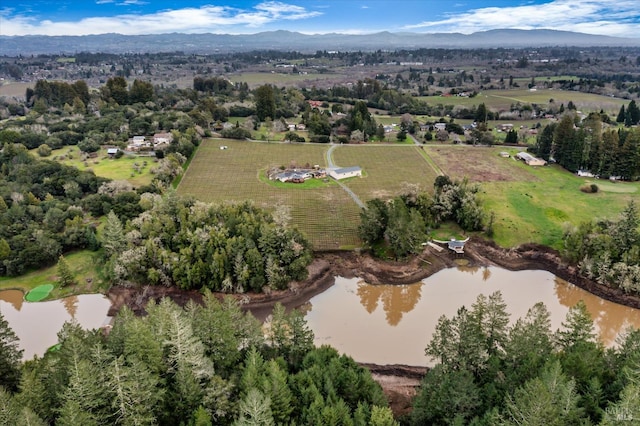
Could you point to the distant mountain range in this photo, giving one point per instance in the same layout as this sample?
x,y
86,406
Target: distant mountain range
x,y
287,41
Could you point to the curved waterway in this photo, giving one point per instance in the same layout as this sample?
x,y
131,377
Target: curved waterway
x,y
37,323
392,324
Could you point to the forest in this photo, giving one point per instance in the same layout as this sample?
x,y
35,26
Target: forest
x,y
213,364
203,365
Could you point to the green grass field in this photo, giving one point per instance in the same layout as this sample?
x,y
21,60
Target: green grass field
x,y
83,266
121,169
531,204
254,79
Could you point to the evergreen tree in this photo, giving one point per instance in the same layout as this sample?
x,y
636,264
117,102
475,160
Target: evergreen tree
x,y
549,400
10,356
621,115
632,116
544,142
112,237
255,410
65,276
265,102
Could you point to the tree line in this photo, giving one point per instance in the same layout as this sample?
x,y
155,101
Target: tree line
x,y
203,365
402,224
488,372
584,145
607,251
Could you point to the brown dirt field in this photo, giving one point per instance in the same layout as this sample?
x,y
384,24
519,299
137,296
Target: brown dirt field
x,y
399,382
478,163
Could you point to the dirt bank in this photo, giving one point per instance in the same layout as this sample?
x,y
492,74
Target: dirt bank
x,y
398,382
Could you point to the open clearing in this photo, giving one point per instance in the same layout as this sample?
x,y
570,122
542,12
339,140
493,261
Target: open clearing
x,y
136,170
531,204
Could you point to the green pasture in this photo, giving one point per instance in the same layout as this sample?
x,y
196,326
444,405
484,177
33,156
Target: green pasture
x,y
83,265
122,168
502,99
532,204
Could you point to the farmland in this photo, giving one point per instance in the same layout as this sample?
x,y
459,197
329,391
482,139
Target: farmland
x,y
326,214
503,99
530,204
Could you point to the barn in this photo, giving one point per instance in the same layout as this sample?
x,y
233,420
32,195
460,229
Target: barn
x,y
345,172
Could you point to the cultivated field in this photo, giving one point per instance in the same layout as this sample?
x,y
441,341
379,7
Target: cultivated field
x,y
502,99
387,169
326,214
530,204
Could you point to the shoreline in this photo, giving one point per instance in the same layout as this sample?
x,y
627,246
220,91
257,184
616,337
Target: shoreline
x,y
327,265
400,383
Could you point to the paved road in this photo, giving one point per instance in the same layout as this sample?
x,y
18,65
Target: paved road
x,y
348,190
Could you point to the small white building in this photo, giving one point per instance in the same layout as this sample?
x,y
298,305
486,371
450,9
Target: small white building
x,y
345,172
530,159
162,139
440,126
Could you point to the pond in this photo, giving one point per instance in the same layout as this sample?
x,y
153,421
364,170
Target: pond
x,y
392,324
37,324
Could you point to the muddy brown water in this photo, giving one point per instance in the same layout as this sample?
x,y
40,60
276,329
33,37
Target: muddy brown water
x,y
37,323
392,324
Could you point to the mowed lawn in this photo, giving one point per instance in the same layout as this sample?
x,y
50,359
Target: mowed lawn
x,y
532,204
136,170
326,214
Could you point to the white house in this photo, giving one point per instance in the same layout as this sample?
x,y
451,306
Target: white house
x,y
345,172
440,126
162,139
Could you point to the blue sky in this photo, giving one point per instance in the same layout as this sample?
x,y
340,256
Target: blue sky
x,y
62,17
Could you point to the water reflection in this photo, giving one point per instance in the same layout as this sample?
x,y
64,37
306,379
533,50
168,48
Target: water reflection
x,y
609,318
71,305
13,297
396,299
392,324
37,324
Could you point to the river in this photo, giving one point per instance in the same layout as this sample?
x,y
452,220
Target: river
x,y
37,323
392,324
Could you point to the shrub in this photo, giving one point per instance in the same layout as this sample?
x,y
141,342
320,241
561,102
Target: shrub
x,y
589,188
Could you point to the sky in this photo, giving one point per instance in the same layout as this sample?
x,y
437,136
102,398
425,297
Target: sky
x,y
619,18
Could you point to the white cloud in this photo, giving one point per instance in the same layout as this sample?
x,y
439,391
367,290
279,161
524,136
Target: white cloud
x,y
187,20
617,18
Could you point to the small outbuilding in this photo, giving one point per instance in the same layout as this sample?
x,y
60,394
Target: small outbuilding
x,y
345,172
530,159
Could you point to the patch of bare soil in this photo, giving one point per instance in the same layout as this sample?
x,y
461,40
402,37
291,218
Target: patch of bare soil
x,y
398,382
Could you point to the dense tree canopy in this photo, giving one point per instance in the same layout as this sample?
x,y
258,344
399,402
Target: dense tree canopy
x,y
205,364
231,248
488,372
